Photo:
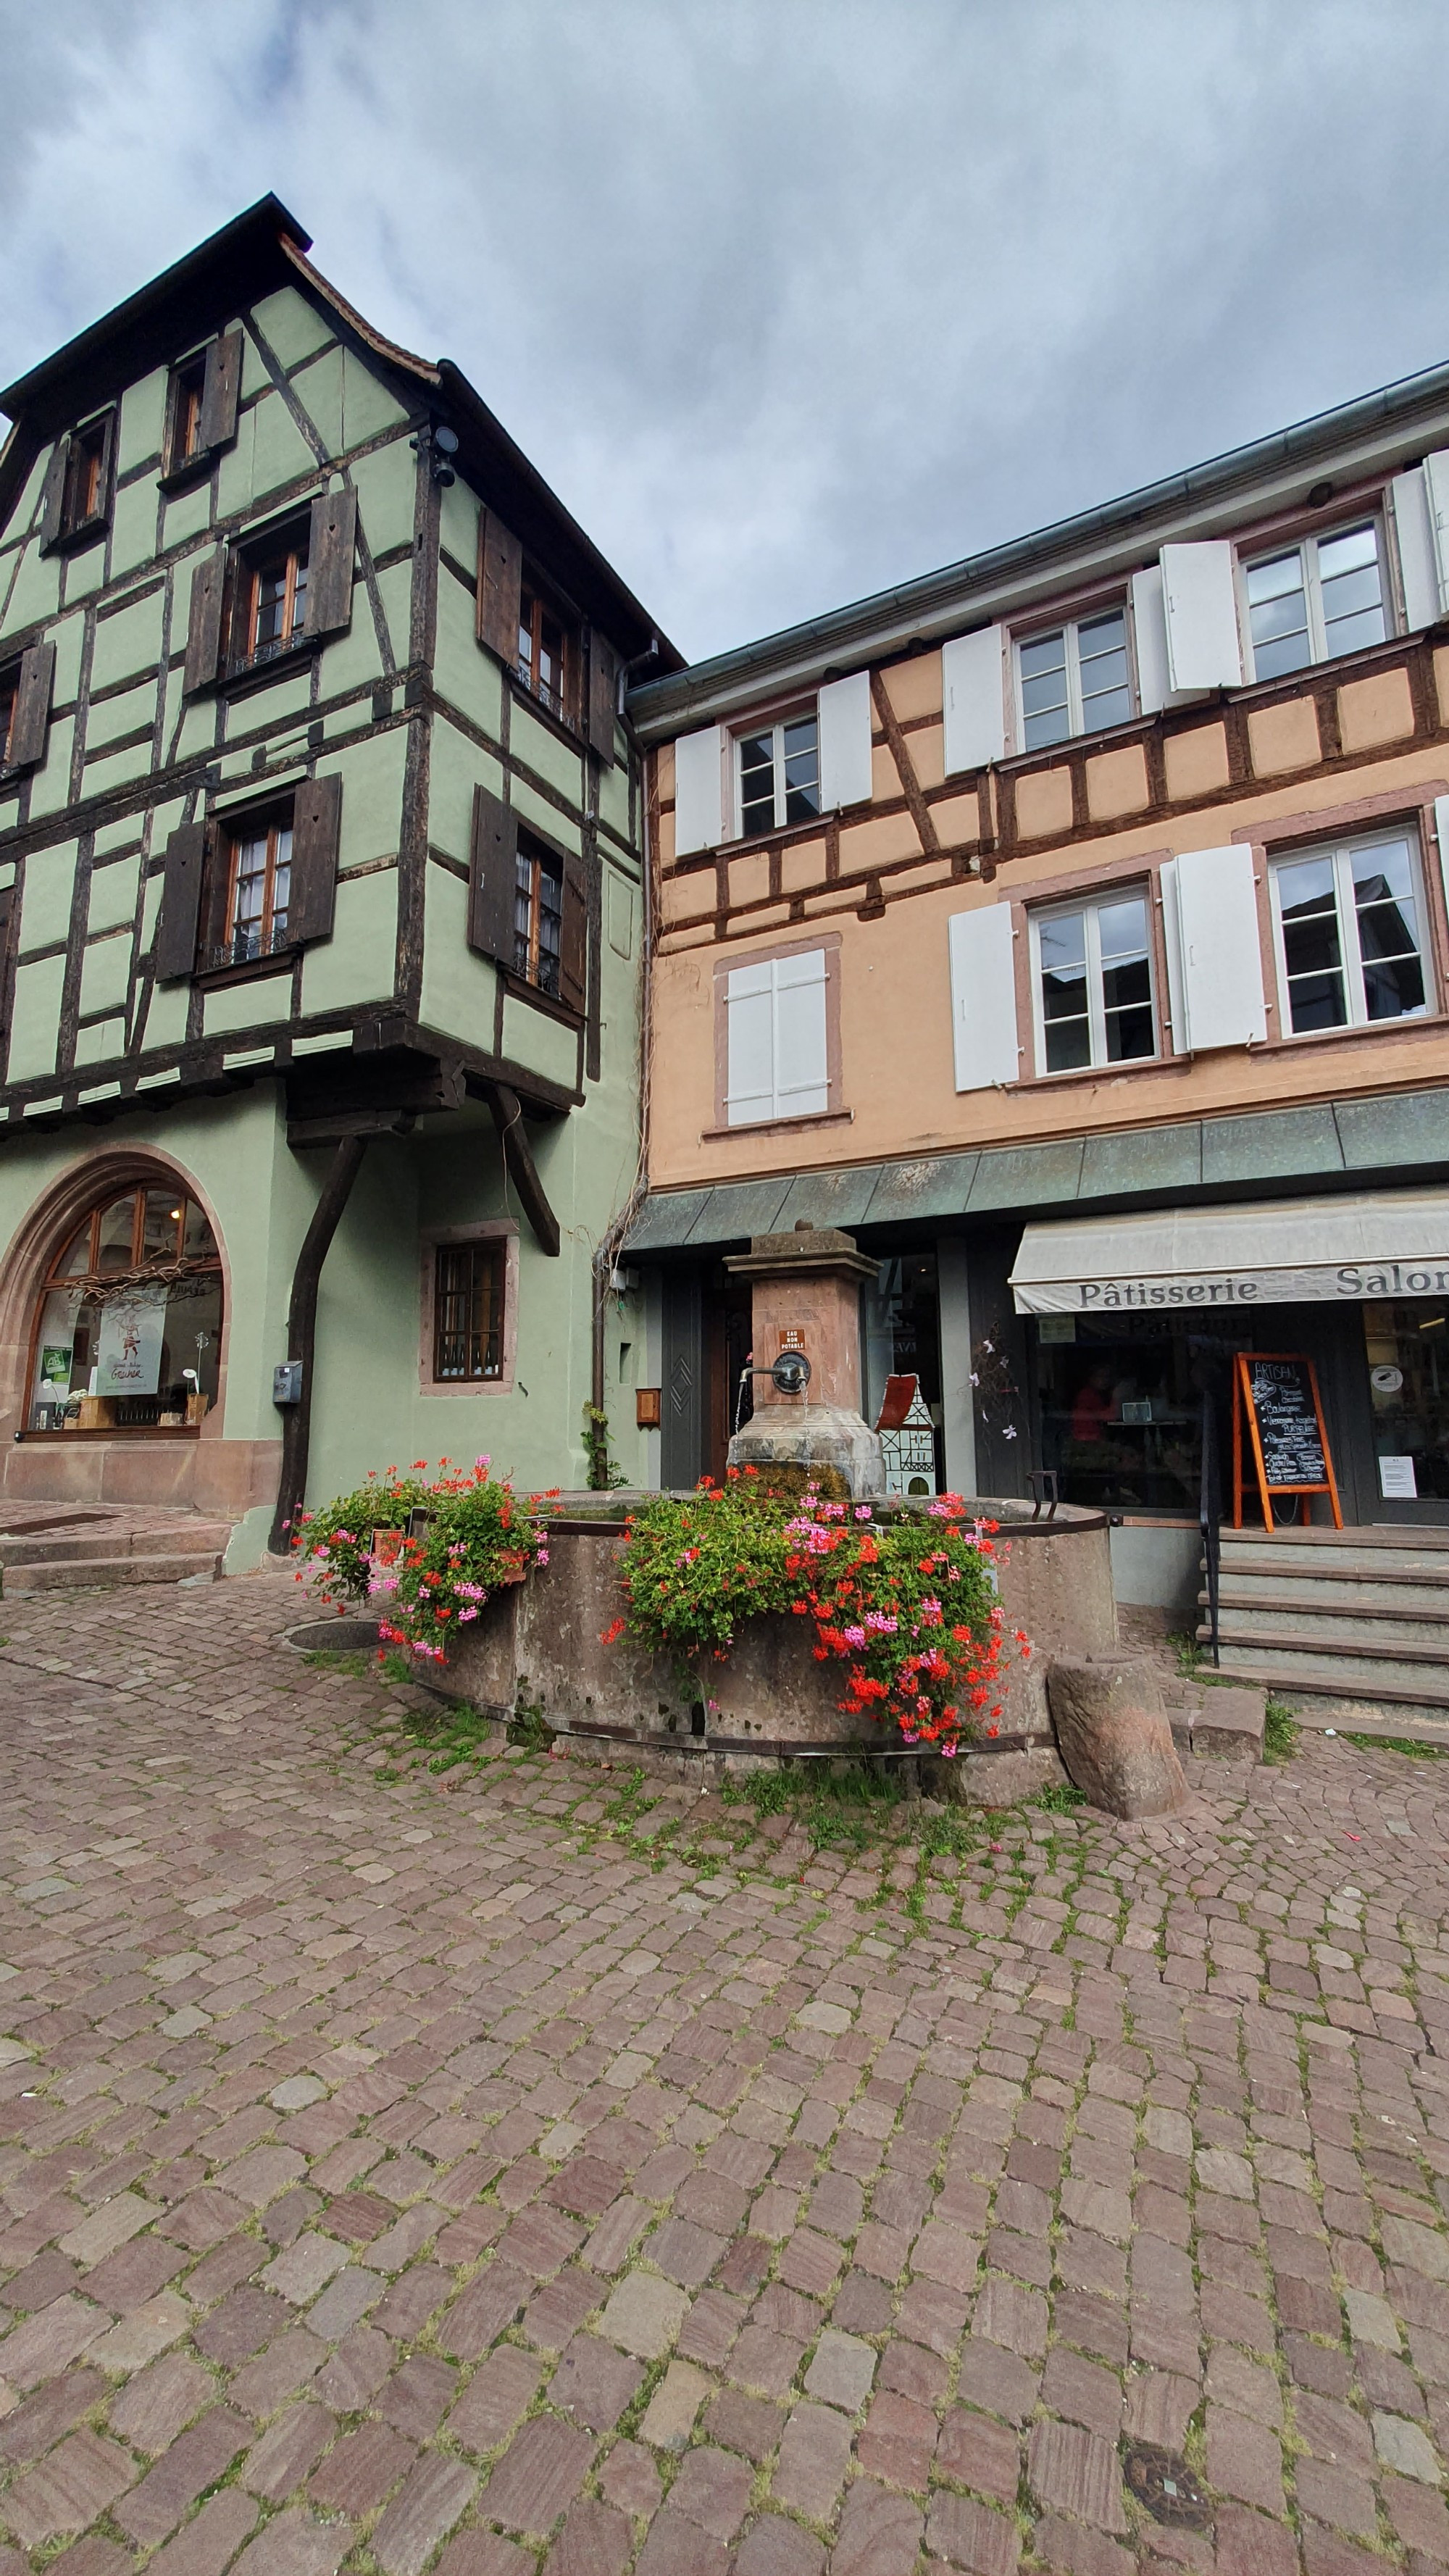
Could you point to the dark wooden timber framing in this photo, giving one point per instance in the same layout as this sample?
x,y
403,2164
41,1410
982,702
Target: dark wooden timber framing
x,y
998,839
519,1165
302,1332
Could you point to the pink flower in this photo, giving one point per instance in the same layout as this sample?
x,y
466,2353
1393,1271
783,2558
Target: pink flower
x,y
542,1558
853,1636
862,1511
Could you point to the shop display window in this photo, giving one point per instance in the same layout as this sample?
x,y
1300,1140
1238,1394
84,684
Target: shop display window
x,y
1122,1405
902,1338
127,1330
1406,1348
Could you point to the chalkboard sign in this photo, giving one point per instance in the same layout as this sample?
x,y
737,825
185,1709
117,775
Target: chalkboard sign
x,y
1276,1399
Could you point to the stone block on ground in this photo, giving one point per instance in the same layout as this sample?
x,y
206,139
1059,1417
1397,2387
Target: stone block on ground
x,y
1113,1737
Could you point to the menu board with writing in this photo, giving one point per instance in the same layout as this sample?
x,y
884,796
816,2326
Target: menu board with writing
x,y
1276,1402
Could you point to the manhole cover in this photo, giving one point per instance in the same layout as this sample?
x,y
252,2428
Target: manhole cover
x,y
1166,2487
333,1636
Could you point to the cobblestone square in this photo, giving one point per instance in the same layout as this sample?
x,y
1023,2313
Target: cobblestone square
x,y
507,2165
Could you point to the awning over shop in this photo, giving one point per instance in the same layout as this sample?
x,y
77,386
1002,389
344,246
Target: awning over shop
x,y
1382,1243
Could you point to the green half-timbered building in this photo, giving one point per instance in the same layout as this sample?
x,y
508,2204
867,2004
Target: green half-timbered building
x,y
322,910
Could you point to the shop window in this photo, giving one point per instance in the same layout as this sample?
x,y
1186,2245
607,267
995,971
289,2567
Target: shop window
x,y
548,655
538,903
901,1339
1406,1349
777,774
1075,680
1349,929
1092,984
127,1327
1121,1403
1314,601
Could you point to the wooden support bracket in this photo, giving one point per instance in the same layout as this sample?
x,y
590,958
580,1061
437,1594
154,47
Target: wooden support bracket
x,y
520,1167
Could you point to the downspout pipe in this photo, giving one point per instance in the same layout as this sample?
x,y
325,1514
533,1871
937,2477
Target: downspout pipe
x,y
302,1334
604,1258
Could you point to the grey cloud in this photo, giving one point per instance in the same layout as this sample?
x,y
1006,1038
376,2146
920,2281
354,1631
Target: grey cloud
x,y
790,299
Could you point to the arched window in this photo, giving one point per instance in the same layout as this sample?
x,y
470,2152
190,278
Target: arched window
x,y
127,1332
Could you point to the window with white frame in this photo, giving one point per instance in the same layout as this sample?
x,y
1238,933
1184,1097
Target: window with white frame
x,y
1092,983
1349,926
1074,680
1313,601
777,1042
777,774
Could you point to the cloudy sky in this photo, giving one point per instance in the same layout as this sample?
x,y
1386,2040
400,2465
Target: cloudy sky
x,y
789,299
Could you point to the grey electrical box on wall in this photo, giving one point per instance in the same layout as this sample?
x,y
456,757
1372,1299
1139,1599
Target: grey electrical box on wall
x,y
287,1383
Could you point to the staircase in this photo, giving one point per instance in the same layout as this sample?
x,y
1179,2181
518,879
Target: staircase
x,y
1327,1617
51,1547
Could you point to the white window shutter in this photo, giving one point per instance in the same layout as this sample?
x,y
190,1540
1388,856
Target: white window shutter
x,y
1436,489
1172,944
699,791
1149,634
1441,835
1219,956
974,699
983,997
845,727
1414,537
750,1009
802,1062
1201,609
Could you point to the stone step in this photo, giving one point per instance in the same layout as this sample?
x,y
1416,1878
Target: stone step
x,y
1331,1624
63,1547
1310,1581
1398,1595
1372,1537
1341,1701
1416,1674
71,1573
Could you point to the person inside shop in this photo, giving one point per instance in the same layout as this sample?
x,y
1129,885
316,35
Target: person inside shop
x,y
1095,1405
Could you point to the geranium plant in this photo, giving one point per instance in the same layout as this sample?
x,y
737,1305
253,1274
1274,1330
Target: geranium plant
x,y
906,1601
430,1581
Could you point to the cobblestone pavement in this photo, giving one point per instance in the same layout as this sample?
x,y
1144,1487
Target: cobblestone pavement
x,y
471,2163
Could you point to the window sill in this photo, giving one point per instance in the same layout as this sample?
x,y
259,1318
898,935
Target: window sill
x,y
566,727
778,1126
549,1003
184,478
244,678
1099,1073
116,1431
247,970
1399,1029
72,541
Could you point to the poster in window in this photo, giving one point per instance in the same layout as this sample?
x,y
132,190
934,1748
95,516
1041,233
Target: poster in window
x,y
55,1361
128,1358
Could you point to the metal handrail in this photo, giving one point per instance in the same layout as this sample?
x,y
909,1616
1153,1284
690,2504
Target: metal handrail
x,y
1210,1515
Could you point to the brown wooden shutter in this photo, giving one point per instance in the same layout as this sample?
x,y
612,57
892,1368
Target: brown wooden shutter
x,y
603,696
221,386
492,877
574,963
203,633
500,587
175,950
52,499
32,707
108,458
329,563
316,831
7,980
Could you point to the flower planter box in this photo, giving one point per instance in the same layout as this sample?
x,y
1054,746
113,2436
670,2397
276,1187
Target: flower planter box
x,y
539,1645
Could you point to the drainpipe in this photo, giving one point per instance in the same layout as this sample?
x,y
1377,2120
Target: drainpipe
x,y
608,1250
302,1334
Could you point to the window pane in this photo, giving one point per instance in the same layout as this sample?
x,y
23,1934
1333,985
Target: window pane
x,y
1312,949
271,598
299,594
1388,930
550,926
198,1243
1278,615
77,1254
160,1225
802,770
522,913
1043,653
1102,663
1350,552
1122,929
117,1226
281,879
757,782
1316,1002
1068,1046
